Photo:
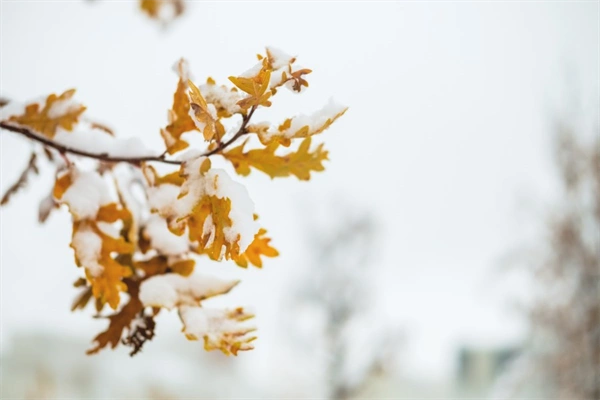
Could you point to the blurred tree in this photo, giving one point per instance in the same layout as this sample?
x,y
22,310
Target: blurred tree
x,y
337,287
566,313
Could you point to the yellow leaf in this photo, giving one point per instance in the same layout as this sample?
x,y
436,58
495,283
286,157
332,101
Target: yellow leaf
x,y
202,112
113,212
107,283
212,242
154,266
179,117
259,247
154,8
61,186
183,267
299,163
57,111
256,87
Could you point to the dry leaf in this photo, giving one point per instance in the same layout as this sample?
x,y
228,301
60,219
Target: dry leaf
x,y
58,111
299,163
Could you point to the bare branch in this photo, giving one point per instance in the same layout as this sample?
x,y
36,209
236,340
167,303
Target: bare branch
x,y
23,179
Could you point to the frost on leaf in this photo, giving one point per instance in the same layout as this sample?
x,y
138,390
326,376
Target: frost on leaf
x,y
299,163
57,112
179,115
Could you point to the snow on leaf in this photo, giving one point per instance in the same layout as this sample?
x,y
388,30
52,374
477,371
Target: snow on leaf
x,y
259,247
220,329
299,163
100,254
174,290
216,211
223,98
57,112
179,115
302,126
84,192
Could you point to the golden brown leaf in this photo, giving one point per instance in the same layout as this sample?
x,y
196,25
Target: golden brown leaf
x,y
154,8
256,87
119,321
259,247
48,119
299,163
206,115
179,117
62,185
212,243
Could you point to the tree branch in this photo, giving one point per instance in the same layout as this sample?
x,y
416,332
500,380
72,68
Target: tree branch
x,y
64,149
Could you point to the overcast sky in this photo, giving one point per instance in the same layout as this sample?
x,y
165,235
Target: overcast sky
x,y
451,106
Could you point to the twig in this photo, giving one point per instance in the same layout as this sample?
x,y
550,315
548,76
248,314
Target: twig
x,y
63,149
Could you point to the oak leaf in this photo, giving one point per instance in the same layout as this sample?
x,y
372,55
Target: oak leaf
x,y
299,163
205,114
259,247
220,329
57,112
120,320
256,87
179,115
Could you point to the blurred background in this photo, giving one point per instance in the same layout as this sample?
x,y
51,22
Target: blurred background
x,y
450,250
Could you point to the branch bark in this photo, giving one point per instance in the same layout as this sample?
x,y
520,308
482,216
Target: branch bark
x,y
63,149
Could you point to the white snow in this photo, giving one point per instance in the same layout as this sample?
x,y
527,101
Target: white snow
x,y
189,154
172,290
88,247
63,107
109,229
200,322
221,97
97,141
317,119
87,193
162,239
163,197
182,69
279,58
252,72
314,121
13,108
217,183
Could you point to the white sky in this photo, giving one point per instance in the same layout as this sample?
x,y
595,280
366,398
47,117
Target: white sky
x,y
448,127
